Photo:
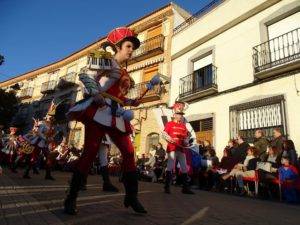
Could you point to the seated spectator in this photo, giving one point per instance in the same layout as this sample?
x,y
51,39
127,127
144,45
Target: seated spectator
x,y
209,164
201,147
241,150
160,151
247,169
278,140
290,152
267,172
261,143
232,145
226,165
288,175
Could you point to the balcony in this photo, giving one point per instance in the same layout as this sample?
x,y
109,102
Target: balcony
x,y
67,81
151,47
26,93
151,95
278,55
48,87
201,83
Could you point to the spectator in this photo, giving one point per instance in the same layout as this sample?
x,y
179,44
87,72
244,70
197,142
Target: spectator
x,y
267,171
151,160
278,140
261,144
247,169
208,151
160,151
232,145
288,175
241,150
225,166
208,165
201,147
290,152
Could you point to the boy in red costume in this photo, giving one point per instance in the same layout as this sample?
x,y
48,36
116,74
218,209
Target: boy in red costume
x,y
177,136
102,113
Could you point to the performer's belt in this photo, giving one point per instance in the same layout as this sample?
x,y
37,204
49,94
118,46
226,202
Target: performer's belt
x,y
113,98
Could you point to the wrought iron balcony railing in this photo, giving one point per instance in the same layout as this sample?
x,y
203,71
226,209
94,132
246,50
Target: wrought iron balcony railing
x,y
67,81
48,87
150,45
200,83
26,93
281,50
151,95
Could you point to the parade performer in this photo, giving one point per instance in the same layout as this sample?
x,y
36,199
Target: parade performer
x,y
11,145
2,154
25,152
103,160
178,137
43,140
102,113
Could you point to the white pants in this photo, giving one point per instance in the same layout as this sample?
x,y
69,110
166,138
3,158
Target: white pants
x,y
103,151
180,156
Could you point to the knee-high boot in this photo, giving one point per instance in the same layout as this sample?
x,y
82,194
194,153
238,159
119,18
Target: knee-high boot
x,y
107,185
70,201
130,181
168,180
186,188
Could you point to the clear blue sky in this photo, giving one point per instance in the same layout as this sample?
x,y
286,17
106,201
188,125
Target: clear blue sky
x,y
34,33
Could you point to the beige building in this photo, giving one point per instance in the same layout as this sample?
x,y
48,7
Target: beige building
x,y
237,63
59,79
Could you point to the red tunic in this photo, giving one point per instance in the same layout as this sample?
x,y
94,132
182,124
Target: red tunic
x,y
178,132
121,87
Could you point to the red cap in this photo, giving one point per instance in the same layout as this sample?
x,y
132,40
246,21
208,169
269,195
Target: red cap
x,y
179,107
119,34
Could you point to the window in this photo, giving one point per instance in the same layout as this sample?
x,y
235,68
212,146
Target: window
x,y
202,125
203,72
203,129
284,26
154,32
195,125
265,114
204,61
284,37
150,72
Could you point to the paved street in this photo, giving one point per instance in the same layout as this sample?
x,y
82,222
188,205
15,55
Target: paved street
x,y
39,202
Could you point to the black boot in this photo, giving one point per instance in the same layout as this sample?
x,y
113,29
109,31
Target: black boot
x,y
48,174
70,201
107,185
168,180
186,189
131,188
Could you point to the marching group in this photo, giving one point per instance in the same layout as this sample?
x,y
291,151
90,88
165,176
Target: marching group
x,y
106,120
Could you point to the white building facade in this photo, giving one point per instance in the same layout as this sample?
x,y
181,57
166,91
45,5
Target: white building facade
x,y
237,64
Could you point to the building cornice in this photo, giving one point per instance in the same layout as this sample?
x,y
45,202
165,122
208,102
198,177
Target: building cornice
x,y
225,27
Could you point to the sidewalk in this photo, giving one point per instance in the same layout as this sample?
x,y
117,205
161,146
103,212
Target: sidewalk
x,y
37,202
20,208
